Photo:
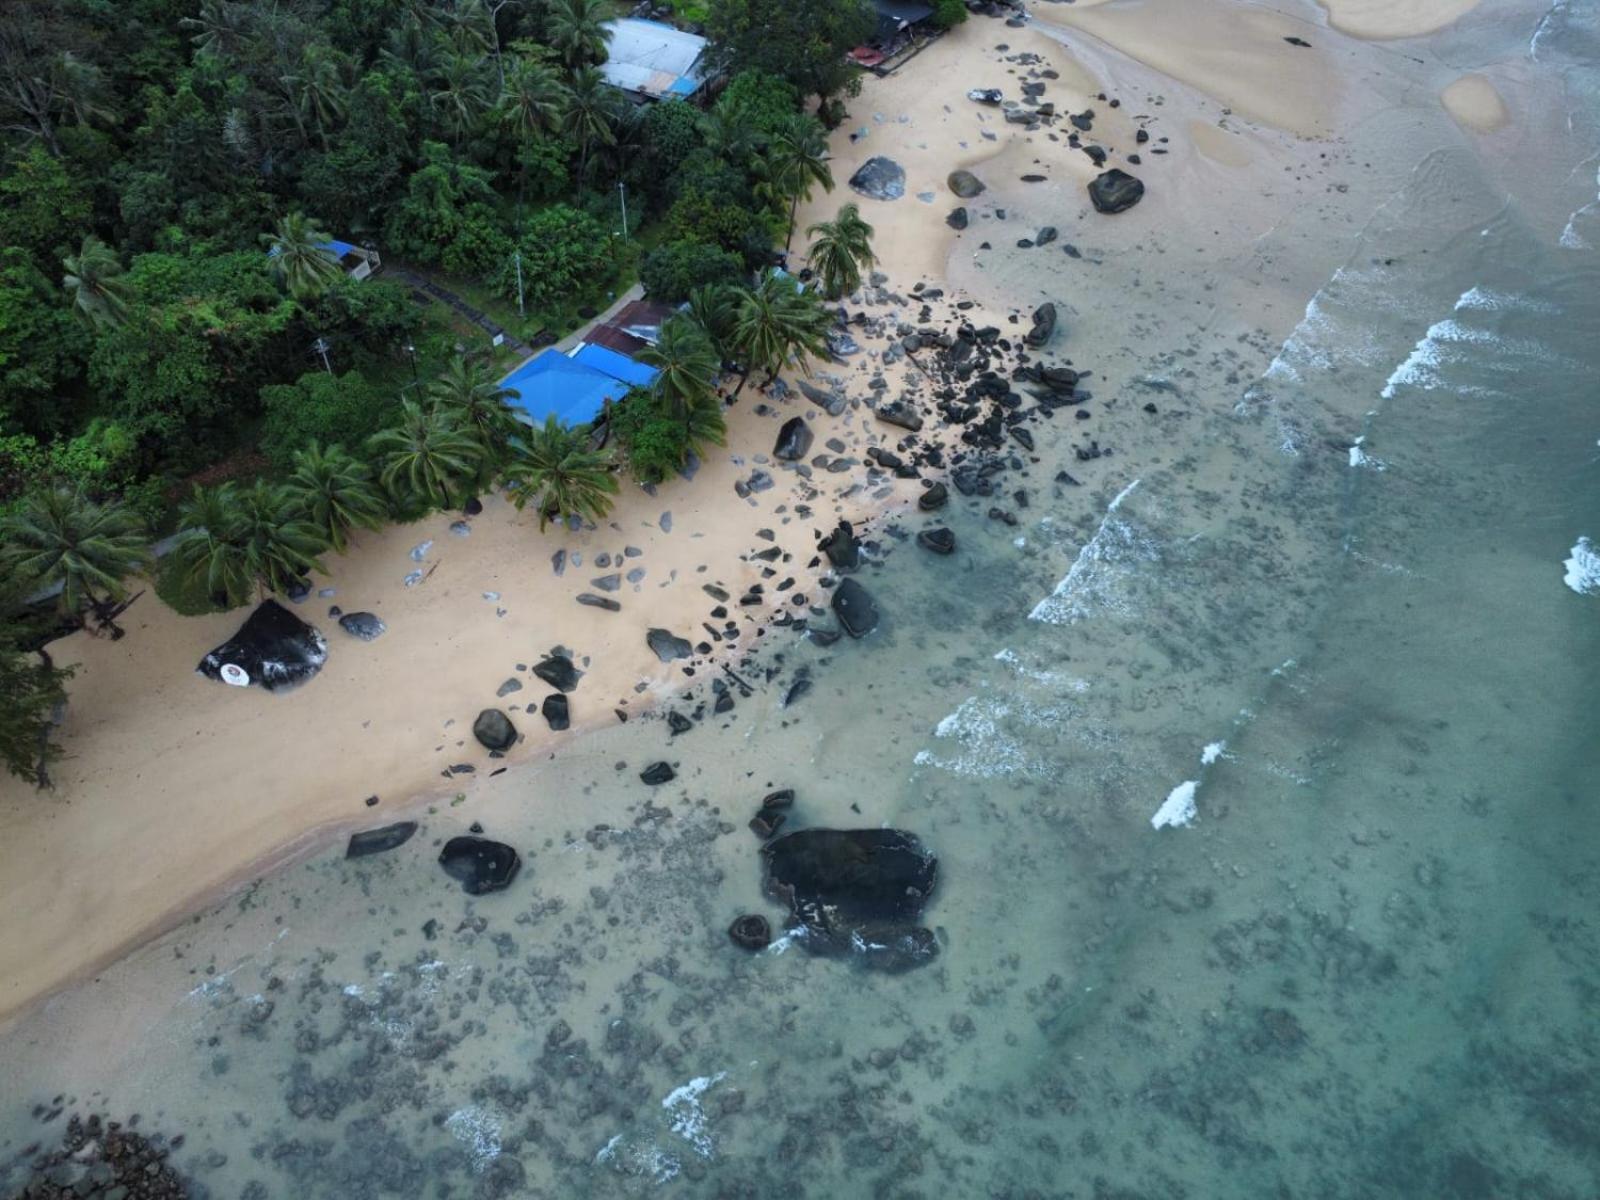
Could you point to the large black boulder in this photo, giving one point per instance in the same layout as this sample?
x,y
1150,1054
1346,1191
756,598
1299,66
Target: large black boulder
x,y
667,645
479,864
658,773
494,730
794,440
880,178
1115,191
855,609
273,648
558,671
376,841
842,547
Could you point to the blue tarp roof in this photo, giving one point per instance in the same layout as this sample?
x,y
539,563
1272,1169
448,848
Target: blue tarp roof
x,y
572,390
337,248
618,366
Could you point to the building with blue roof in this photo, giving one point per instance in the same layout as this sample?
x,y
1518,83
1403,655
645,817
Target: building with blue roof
x,y
653,61
573,388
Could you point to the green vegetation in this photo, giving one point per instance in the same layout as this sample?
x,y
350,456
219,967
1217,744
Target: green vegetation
x,y
560,475
840,248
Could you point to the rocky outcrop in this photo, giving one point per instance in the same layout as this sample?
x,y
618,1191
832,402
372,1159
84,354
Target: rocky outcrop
x,y
880,178
479,865
273,648
750,932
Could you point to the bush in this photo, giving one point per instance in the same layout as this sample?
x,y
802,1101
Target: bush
x,y
479,244
669,273
565,253
947,14
655,444
672,132
764,101
332,409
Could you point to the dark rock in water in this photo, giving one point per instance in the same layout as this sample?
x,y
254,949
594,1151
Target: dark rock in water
x,y
964,184
724,704
898,412
494,730
880,178
1023,437
957,218
820,636
590,600
678,723
667,646
273,648
1044,324
376,841
794,440
1115,191
751,932
557,670
557,711
363,625
479,864
1045,236
938,539
842,547
854,608
658,773
933,498
782,798
798,688
767,822
1301,42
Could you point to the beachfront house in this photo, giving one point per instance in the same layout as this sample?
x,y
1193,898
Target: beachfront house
x,y
574,386
651,61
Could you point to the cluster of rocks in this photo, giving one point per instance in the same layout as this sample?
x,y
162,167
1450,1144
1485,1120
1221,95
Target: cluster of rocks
x,y
99,1158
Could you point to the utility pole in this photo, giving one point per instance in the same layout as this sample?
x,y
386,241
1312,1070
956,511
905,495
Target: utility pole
x,y
411,349
520,313
322,346
622,191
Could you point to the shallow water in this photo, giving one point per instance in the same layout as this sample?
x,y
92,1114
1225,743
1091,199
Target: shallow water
x,y
1366,967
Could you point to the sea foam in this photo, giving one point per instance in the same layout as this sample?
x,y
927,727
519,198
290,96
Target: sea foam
x,y
1092,584
1178,808
1583,568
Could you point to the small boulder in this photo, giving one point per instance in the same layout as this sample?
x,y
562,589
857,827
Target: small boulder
x,y
794,440
494,730
842,547
590,600
854,607
376,841
667,646
767,822
1044,324
1115,191
557,711
658,773
933,498
938,539
479,864
880,178
901,414
964,184
557,670
957,218
751,932
363,625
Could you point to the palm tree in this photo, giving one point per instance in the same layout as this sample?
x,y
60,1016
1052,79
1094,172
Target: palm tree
x,y
94,281
556,469
774,320
587,118
471,396
578,32
703,421
61,537
840,249
797,160
532,99
711,307
427,456
317,91
334,493
463,93
687,365
728,134
300,256
239,539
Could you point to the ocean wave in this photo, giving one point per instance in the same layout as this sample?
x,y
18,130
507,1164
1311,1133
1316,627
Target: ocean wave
x,y
988,750
1178,809
1094,583
1583,568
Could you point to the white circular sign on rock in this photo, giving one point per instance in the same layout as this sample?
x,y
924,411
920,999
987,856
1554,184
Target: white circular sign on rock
x,y
235,675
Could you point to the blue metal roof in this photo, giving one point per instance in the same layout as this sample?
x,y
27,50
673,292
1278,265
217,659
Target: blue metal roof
x,y
618,366
573,391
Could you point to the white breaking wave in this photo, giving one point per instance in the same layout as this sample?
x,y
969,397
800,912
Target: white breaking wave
x,y
1421,367
479,1130
1583,568
1093,583
1014,660
988,749
687,1117
1479,299
1212,752
1178,809
1360,458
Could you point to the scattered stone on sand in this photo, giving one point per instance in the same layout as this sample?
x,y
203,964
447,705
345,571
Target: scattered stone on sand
x,y
420,550
590,600
664,522
667,645
494,730
854,607
1045,236
880,178
511,685
273,648
1044,324
900,414
363,625
558,562
990,96
479,865
556,711
957,218
658,773
797,689
607,583
558,671
938,539
1298,41
678,723
1115,191
964,184
842,547
794,440
376,841
750,932
933,498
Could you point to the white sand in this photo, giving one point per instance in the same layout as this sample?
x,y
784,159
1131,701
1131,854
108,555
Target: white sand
x,y
1382,19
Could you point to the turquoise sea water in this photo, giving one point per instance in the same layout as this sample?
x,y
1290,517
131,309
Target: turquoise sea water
x,y
1368,966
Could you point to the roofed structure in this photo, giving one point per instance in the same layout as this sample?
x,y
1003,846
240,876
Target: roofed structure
x,y
652,60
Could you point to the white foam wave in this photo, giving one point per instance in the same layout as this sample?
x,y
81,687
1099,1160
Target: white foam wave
x,y
1212,752
1478,299
979,726
1178,808
1583,568
1360,458
1014,660
479,1130
687,1117
1094,582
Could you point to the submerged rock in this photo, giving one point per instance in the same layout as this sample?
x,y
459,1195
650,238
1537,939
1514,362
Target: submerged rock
x,y
794,440
376,841
750,932
480,865
667,645
938,539
494,730
855,608
363,625
557,670
658,773
273,648
1115,191
933,498
842,547
957,218
964,184
880,178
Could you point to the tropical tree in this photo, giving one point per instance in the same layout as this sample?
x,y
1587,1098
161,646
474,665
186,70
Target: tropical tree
x,y
774,320
471,396
796,161
240,539
588,116
686,363
427,457
532,99
334,493
96,285
577,30
462,93
300,257
840,249
316,92
60,537
712,307
32,692
556,470
704,422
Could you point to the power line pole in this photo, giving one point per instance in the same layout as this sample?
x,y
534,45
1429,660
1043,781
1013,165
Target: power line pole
x,y
520,313
622,191
322,346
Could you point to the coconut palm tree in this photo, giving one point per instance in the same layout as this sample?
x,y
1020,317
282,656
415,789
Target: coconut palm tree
x,y
95,283
711,307
774,320
300,257
316,92
728,134
334,493
463,93
427,457
687,365
531,100
840,249
61,537
242,539
556,470
588,116
704,421
796,161
577,30
470,395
